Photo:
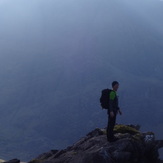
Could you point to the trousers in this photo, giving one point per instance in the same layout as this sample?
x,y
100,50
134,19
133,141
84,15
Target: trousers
x,y
110,126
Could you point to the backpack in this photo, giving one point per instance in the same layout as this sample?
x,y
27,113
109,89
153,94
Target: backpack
x,y
104,99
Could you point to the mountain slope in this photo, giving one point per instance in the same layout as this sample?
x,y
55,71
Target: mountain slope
x,y
131,146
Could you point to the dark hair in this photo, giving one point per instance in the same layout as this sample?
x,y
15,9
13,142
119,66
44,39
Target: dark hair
x,y
114,83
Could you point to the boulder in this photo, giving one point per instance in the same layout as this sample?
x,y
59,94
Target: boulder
x,y
13,161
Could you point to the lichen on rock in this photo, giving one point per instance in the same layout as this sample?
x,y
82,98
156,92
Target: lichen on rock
x,y
125,129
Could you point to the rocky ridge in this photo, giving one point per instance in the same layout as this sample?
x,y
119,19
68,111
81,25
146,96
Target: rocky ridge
x,y
132,146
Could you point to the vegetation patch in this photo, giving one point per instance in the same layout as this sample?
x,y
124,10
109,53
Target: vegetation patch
x,y
125,129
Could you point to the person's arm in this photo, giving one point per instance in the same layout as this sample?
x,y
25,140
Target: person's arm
x,y
119,111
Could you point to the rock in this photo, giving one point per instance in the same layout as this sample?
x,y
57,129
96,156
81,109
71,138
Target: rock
x,y
13,161
2,161
131,129
132,146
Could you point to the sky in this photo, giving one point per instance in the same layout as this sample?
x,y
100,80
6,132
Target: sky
x,y
40,22
39,27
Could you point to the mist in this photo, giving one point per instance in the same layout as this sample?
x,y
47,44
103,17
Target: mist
x,y
56,57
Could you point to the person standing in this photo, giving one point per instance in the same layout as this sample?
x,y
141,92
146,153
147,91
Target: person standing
x,y
112,111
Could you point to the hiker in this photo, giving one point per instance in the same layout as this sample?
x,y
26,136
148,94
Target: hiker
x,y
113,110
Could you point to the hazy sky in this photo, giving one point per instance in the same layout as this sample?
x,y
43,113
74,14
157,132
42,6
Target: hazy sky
x,y
68,28
40,22
63,29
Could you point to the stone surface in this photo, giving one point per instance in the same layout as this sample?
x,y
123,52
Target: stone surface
x,y
132,146
13,161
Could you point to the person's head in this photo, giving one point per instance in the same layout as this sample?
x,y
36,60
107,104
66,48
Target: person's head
x,y
115,85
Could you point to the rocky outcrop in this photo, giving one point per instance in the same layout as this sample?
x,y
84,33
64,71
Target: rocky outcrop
x,y
131,146
12,161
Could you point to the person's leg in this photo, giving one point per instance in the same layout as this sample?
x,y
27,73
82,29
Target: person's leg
x,y
110,127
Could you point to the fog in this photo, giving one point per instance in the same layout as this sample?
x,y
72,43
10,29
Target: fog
x,y
57,55
46,25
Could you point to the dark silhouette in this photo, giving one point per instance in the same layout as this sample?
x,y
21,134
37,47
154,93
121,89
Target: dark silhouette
x,y
112,111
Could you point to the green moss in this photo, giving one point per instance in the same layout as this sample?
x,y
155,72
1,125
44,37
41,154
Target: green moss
x,y
74,153
149,133
138,137
125,129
